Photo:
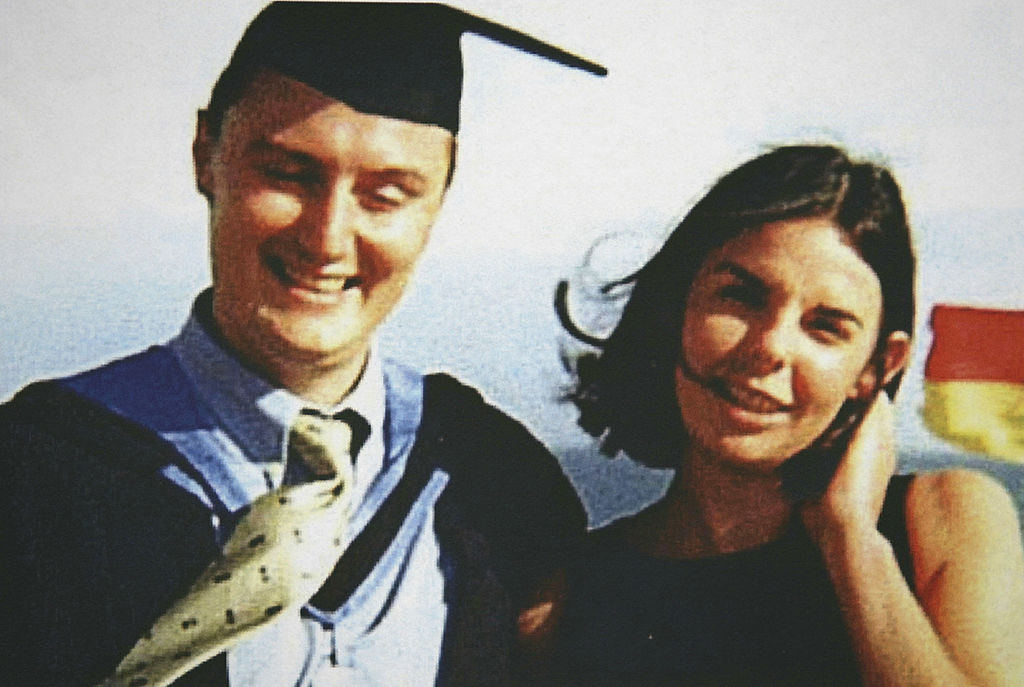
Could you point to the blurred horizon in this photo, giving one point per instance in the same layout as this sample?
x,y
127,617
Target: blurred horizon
x,y
104,235
504,340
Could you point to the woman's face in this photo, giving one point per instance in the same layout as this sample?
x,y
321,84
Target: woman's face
x,y
779,327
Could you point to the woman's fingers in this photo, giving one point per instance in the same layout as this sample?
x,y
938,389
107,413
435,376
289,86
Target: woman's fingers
x,y
870,457
855,495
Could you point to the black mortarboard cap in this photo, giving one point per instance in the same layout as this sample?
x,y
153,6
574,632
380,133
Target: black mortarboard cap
x,y
400,60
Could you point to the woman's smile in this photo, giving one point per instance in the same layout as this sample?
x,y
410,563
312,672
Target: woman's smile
x,y
770,348
747,398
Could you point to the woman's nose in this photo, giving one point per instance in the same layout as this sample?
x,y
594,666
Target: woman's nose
x,y
769,345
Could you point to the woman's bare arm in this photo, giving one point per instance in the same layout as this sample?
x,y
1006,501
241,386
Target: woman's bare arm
x,y
965,623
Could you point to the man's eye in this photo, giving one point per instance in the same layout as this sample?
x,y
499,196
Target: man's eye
x,y
383,198
290,174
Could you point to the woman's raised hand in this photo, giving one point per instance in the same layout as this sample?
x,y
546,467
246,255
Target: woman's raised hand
x,y
853,499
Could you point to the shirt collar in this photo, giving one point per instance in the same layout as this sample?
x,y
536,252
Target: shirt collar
x,y
255,413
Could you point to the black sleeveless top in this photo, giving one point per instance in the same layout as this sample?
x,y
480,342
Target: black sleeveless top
x,y
767,616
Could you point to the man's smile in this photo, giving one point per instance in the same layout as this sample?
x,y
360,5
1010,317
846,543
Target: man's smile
x,y
318,281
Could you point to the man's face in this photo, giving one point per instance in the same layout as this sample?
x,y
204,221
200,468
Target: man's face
x,y
318,214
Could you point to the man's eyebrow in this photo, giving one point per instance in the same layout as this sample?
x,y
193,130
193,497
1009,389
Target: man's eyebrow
x,y
411,179
262,146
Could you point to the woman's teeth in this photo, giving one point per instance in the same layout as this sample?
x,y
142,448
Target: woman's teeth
x,y
750,399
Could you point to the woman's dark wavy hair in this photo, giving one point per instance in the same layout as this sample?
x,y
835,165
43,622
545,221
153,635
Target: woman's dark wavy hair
x,y
625,391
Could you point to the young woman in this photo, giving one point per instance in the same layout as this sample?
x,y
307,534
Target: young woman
x,y
758,356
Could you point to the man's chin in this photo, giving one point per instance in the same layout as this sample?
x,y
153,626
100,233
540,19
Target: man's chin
x,y
323,351
311,340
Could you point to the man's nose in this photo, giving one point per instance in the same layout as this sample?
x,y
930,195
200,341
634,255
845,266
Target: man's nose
x,y
331,230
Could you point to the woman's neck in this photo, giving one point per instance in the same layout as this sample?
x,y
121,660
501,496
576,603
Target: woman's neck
x,y
713,508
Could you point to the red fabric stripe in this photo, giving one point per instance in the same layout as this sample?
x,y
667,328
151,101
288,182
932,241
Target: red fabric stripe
x,y
976,344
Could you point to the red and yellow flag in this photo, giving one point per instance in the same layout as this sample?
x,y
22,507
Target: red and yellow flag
x,y
974,380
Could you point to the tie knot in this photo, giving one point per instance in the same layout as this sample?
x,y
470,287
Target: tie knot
x,y
324,444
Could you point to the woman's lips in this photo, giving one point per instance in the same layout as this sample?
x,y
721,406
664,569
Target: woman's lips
x,y
747,398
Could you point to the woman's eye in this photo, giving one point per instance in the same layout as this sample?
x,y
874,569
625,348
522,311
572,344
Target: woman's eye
x,y
744,294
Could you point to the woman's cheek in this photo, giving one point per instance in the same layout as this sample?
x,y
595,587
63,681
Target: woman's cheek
x,y
709,339
827,379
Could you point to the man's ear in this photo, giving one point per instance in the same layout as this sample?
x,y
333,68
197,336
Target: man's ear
x,y
886,363
202,155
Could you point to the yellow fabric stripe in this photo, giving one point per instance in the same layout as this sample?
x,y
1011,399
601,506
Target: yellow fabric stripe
x,y
985,417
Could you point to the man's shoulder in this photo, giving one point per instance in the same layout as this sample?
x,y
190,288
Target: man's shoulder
x,y
113,384
491,456
119,381
440,401
459,407
47,423
83,496
505,487
91,413
148,388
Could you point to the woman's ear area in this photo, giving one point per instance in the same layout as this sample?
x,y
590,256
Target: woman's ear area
x,y
893,356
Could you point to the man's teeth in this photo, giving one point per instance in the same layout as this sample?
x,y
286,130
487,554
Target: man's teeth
x,y
317,284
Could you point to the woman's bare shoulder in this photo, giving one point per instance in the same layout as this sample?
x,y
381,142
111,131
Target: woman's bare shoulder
x,y
959,500
962,516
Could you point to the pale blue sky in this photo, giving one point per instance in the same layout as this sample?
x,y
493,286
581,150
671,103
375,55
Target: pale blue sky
x,y
103,235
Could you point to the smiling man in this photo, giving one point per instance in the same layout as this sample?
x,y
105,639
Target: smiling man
x,y
138,495
318,214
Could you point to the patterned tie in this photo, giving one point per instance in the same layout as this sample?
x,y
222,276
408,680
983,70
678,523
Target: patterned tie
x,y
278,556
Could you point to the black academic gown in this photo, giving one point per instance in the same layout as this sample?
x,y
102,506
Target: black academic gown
x,y
95,543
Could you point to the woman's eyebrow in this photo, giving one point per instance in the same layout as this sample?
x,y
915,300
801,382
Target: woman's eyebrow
x,y
746,276
733,269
